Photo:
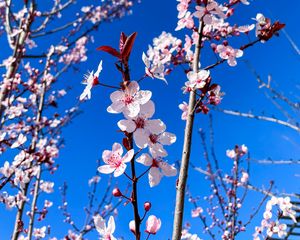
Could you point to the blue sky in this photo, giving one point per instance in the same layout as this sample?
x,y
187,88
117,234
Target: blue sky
x,y
95,130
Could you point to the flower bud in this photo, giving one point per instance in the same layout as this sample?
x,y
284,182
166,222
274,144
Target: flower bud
x,y
132,226
116,192
147,206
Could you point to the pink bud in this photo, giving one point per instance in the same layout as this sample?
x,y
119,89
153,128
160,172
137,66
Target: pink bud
x,y
147,206
132,226
116,192
153,224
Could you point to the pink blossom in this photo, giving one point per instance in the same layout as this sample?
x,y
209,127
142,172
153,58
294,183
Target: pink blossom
x,y
47,187
210,12
94,179
20,141
184,107
39,232
114,160
229,53
77,54
159,168
6,170
153,224
156,142
129,100
90,81
245,177
182,7
105,231
231,153
154,71
246,28
197,79
185,235
187,21
142,126
215,95
196,212
132,226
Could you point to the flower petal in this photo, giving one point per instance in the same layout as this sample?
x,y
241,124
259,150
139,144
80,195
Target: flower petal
x,y
117,149
154,176
111,226
128,156
127,125
167,169
120,170
167,138
147,110
106,169
140,138
99,224
155,126
145,159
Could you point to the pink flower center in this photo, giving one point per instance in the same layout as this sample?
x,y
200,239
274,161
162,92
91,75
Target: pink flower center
x,y
128,99
140,123
115,160
153,138
155,163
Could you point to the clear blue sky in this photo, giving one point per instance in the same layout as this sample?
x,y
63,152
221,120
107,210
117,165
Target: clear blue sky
x,y
95,130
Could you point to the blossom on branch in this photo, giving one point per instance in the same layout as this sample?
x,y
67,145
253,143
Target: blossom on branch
x,y
105,231
114,160
129,100
91,80
158,169
142,126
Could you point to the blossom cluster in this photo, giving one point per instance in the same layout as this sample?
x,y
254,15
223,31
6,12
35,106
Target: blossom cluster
x,y
138,109
271,224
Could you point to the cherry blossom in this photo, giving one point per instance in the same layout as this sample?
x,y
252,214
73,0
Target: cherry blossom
x,y
129,100
185,235
215,95
182,7
272,226
184,107
231,153
229,53
132,226
187,21
105,231
158,169
159,56
156,142
39,232
197,79
77,54
196,212
91,80
245,177
210,12
142,126
153,224
47,187
20,141
114,160
154,71
7,170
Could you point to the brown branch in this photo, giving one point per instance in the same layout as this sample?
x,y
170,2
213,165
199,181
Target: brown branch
x,y
183,173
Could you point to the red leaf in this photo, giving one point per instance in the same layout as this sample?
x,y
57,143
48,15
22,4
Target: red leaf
x,y
109,50
128,46
123,38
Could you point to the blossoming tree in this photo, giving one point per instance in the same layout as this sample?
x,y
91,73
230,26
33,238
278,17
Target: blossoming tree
x,y
31,126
